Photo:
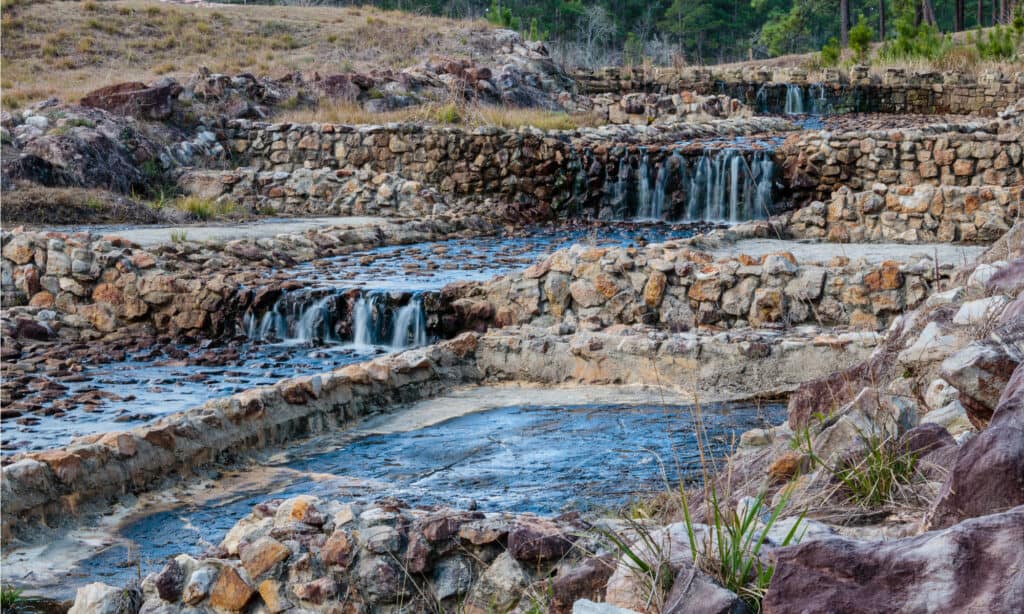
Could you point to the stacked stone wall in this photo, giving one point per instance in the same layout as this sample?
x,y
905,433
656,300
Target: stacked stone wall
x,y
906,214
895,91
681,289
815,164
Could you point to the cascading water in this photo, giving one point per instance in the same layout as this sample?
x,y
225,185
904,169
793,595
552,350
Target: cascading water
x,y
312,318
297,317
644,193
794,100
410,329
727,185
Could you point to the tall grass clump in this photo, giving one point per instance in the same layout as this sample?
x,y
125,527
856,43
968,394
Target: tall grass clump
x,y
872,479
204,208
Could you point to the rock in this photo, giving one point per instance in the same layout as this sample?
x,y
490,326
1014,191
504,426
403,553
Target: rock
x,y
980,372
272,592
586,606
981,311
136,99
230,591
500,585
939,394
452,576
952,417
262,555
585,581
99,598
988,474
694,592
538,540
170,581
971,567
198,585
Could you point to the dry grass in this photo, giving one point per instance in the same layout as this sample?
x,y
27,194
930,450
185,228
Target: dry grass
x,y
66,49
29,203
465,115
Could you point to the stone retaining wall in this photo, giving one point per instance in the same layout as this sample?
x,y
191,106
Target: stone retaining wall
x,y
82,286
814,164
52,488
909,215
896,91
682,289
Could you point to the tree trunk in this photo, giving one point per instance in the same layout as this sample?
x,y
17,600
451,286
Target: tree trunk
x,y
844,23
958,16
881,20
980,16
928,13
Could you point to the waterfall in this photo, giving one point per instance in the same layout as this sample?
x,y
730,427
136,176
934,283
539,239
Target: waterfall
x,y
365,321
310,317
297,317
410,328
620,188
816,96
761,99
725,187
794,100
643,195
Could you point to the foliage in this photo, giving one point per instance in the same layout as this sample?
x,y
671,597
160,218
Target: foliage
x,y
861,36
830,52
633,50
9,597
1000,44
204,208
872,480
915,41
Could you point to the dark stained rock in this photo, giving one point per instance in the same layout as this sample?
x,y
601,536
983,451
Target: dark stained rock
x,y
28,329
136,99
971,567
827,394
988,475
585,581
933,448
170,581
538,540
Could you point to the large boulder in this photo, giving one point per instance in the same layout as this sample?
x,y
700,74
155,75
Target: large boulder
x,y
971,567
136,99
988,475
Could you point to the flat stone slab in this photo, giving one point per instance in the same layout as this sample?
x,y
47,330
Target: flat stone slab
x,y
872,252
157,235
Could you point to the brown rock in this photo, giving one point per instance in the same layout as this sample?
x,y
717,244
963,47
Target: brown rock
x,y
705,290
273,596
537,540
971,567
887,277
784,467
338,549
585,581
988,474
980,371
134,98
230,591
262,555
654,289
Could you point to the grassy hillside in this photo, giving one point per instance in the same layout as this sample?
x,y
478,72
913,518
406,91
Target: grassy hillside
x,y
65,49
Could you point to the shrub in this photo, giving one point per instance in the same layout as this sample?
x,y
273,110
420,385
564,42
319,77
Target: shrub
x,y
204,208
914,41
959,58
861,36
9,597
448,114
633,50
830,52
874,479
1000,44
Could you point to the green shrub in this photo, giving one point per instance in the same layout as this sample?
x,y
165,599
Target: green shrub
x,y
448,114
915,42
830,52
9,597
861,36
1000,44
633,50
